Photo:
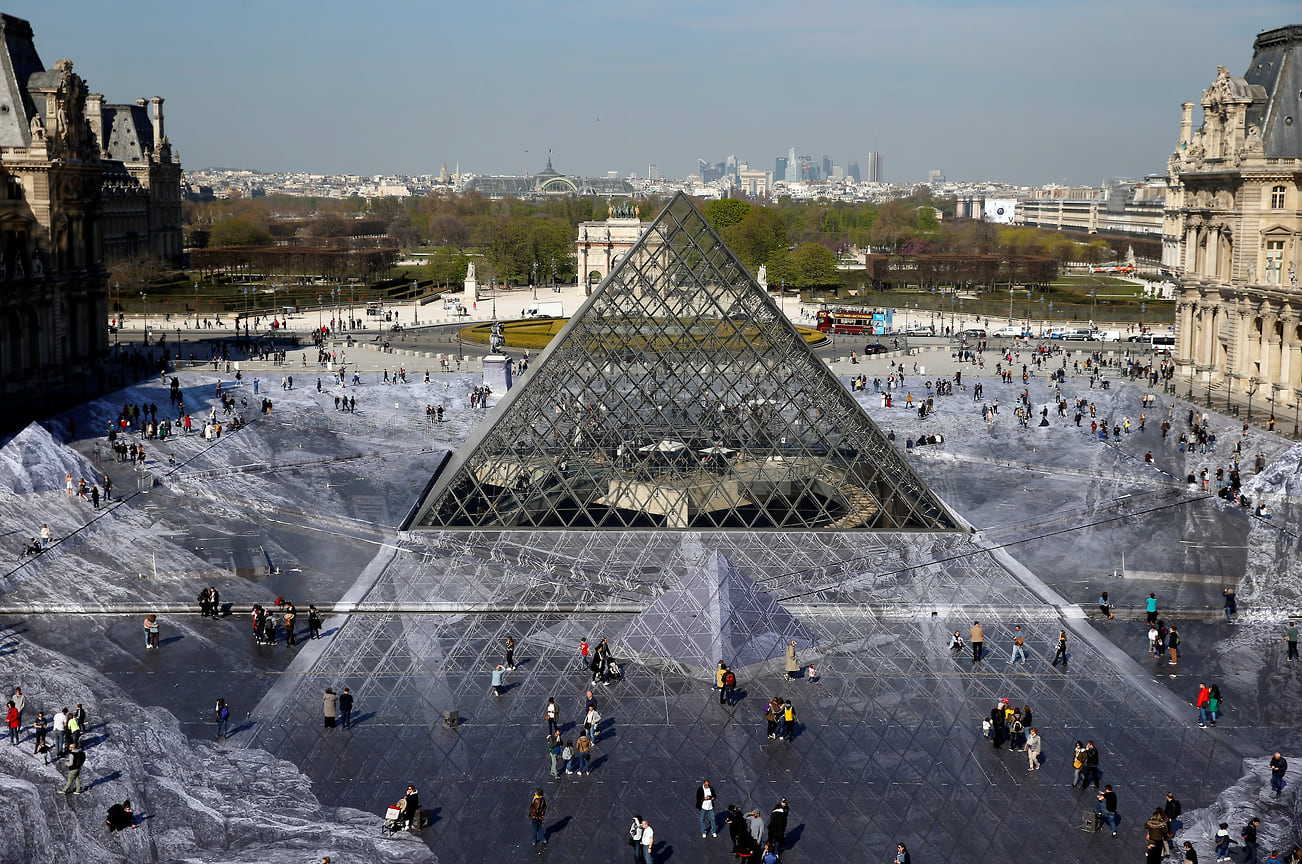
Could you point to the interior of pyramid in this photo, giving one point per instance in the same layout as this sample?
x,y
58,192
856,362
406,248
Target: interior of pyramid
x,y
680,397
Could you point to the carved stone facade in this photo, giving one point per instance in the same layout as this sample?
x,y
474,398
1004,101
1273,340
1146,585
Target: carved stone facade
x,y
1233,226
142,180
53,297
602,244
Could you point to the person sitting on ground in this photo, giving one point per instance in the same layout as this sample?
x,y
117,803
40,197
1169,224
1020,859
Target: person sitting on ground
x,y
120,817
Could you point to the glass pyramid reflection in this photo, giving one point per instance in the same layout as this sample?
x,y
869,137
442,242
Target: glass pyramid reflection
x,y
680,397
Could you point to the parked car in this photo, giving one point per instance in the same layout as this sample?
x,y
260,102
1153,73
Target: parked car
x,y
972,333
874,348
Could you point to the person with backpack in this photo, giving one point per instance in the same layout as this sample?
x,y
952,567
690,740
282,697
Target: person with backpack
x,y
223,716
729,686
567,757
1249,835
583,749
538,812
788,729
719,673
771,716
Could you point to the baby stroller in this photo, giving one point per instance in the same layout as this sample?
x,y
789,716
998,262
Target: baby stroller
x,y
396,819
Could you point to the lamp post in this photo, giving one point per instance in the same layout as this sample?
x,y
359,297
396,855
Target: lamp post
x,y
196,303
144,315
1094,296
117,291
1253,384
1229,385
1010,304
1192,372
493,289
534,282
555,290
1297,401
1049,322
318,314
415,313
1209,387
1274,388
1143,307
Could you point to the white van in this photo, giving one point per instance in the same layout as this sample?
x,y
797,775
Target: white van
x,y
1108,335
545,309
1016,331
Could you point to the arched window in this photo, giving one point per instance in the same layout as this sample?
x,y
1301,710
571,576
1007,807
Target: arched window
x,y
1277,198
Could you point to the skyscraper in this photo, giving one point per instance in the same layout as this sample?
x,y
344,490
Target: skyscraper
x,y
853,172
793,167
780,168
875,167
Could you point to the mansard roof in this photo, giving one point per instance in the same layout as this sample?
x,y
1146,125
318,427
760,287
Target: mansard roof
x,y
1276,68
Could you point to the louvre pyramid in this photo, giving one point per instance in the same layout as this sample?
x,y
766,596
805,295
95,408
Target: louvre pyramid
x,y
680,397
715,613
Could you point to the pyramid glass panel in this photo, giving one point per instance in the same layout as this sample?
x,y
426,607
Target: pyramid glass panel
x,y
680,397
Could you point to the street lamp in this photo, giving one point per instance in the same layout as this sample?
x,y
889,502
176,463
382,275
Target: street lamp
x,y
1253,384
555,290
493,288
1049,323
1274,388
534,283
1143,307
196,303
1297,400
1229,385
318,314
1010,304
415,293
144,314
1094,296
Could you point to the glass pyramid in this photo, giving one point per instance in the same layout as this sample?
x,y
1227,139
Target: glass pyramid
x,y
680,397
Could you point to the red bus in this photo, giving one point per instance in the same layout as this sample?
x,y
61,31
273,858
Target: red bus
x,y
853,323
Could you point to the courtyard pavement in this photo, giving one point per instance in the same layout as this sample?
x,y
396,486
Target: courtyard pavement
x,y
302,504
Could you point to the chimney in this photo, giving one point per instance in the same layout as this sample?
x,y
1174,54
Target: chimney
x,y
95,116
158,123
1186,124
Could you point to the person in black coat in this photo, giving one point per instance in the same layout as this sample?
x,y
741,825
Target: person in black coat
x,y
120,817
778,826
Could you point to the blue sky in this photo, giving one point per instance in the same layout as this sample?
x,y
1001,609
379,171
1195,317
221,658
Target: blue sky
x,y
1026,92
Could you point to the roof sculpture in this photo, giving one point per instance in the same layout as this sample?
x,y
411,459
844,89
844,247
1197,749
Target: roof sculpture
x,y
680,397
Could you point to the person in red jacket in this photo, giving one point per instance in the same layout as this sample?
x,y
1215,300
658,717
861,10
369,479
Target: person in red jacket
x,y
1204,696
14,724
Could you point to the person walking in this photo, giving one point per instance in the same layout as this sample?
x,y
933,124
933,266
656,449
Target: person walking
x,y
729,685
1107,807
76,759
346,709
1290,637
1278,765
1249,835
39,729
1033,749
1061,653
538,812
290,637
510,655
977,636
552,713
313,622
222,712
787,731
497,680
778,825
1204,695
719,671
1019,646
591,722
705,809
1231,605
330,705
1150,608
583,750
793,665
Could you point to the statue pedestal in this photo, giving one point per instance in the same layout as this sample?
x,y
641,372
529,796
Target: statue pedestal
x,y
497,374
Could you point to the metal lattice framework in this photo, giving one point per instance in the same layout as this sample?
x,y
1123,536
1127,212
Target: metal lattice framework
x,y
680,397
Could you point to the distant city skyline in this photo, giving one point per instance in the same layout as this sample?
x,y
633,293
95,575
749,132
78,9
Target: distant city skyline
x,y
1009,92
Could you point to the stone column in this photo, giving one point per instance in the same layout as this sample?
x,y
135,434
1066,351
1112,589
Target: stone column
x,y
1190,250
1288,349
1210,262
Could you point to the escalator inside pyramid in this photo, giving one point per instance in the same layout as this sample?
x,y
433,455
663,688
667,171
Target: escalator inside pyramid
x,y
679,397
